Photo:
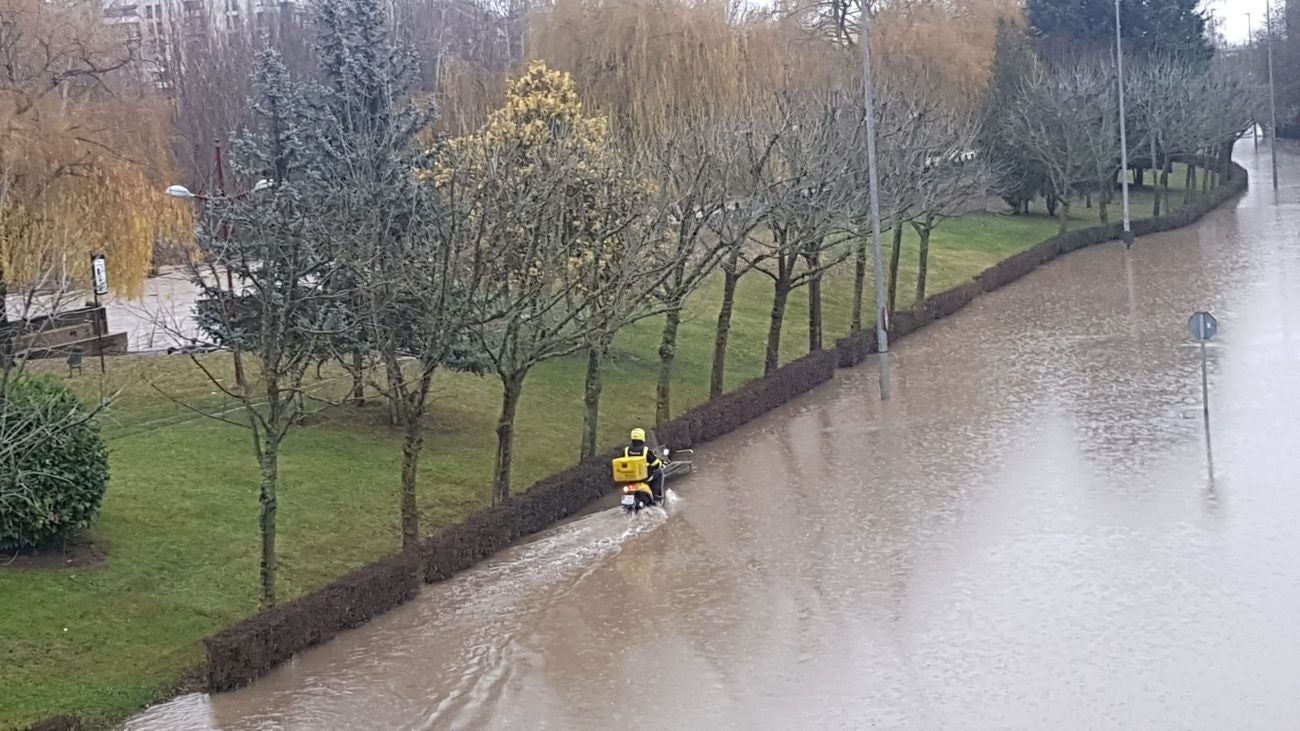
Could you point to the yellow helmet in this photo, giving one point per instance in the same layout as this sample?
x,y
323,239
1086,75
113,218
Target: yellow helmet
x,y
638,435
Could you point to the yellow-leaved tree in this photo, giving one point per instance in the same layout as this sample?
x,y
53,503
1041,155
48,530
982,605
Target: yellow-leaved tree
x,y
554,213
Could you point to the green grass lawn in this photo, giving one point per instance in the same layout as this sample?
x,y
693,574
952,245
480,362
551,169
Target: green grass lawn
x,y
180,519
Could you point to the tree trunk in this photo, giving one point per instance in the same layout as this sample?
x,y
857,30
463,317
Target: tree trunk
x,y
358,379
1189,183
859,283
717,381
667,355
923,259
895,254
412,408
1139,175
814,304
1206,175
412,443
1164,184
270,464
1053,205
780,295
513,388
1155,180
1064,210
591,398
1087,199
1103,208
5,338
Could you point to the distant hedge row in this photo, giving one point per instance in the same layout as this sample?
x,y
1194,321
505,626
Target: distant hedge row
x,y
856,348
250,648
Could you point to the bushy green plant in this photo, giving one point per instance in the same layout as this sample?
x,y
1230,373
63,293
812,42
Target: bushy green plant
x,y
53,463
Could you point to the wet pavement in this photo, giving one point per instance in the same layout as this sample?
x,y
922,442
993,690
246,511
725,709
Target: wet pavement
x,y
1030,535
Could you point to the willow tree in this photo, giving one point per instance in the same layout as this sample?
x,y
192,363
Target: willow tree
x,y
956,39
539,175
649,65
83,151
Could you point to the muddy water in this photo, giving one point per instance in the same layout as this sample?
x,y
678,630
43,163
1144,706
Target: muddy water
x,y
1028,536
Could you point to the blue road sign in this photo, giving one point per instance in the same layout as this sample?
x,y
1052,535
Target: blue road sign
x,y
1202,327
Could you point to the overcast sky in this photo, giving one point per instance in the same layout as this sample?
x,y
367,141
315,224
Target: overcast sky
x,y
1233,15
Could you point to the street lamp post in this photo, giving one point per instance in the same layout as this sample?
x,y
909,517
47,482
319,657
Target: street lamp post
x,y
1123,128
873,180
180,191
1250,44
1272,91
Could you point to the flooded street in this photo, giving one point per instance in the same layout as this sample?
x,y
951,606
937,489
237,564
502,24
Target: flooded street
x,y
1028,536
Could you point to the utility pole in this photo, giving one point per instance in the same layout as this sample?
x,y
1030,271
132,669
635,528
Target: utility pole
x,y
1253,48
873,179
1272,92
230,280
1123,128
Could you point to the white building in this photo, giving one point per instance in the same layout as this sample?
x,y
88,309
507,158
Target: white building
x,y
164,27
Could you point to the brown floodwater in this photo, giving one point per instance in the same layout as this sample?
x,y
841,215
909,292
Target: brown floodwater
x,y
1030,535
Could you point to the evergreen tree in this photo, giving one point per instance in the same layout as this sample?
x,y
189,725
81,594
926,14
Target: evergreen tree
x,y
400,273
270,242
1168,27
1018,178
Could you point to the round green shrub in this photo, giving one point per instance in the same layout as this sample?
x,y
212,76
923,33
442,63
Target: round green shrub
x,y
53,462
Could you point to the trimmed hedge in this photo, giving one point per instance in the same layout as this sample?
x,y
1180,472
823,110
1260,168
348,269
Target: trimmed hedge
x,y
59,723
250,648
712,419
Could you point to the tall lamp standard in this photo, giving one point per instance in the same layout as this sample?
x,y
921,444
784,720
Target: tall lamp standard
x,y
180,191
1272,91
873,180
1250,45
1123,128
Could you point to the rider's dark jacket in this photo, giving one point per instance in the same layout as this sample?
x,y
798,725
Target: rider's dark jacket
x,y
638,448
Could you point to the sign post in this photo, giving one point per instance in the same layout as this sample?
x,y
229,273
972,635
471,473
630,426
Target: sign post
x,y
1203,327
99,272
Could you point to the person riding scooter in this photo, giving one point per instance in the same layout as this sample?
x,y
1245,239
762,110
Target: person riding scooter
x,y
638,448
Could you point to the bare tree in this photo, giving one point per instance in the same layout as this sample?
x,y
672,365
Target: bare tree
x,y
614,277
700,173
953,177
1055,120
283,310
738,231
807,181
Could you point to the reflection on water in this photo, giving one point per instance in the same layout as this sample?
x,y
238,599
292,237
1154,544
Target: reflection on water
x,y
1028,536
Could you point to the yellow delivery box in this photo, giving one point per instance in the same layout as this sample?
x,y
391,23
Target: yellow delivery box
x,y
631,469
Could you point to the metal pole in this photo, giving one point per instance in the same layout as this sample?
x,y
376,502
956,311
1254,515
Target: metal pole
x,y
1205,387
1123,128
1252,46
1272,93
873,179
99,345
99,341
230,280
